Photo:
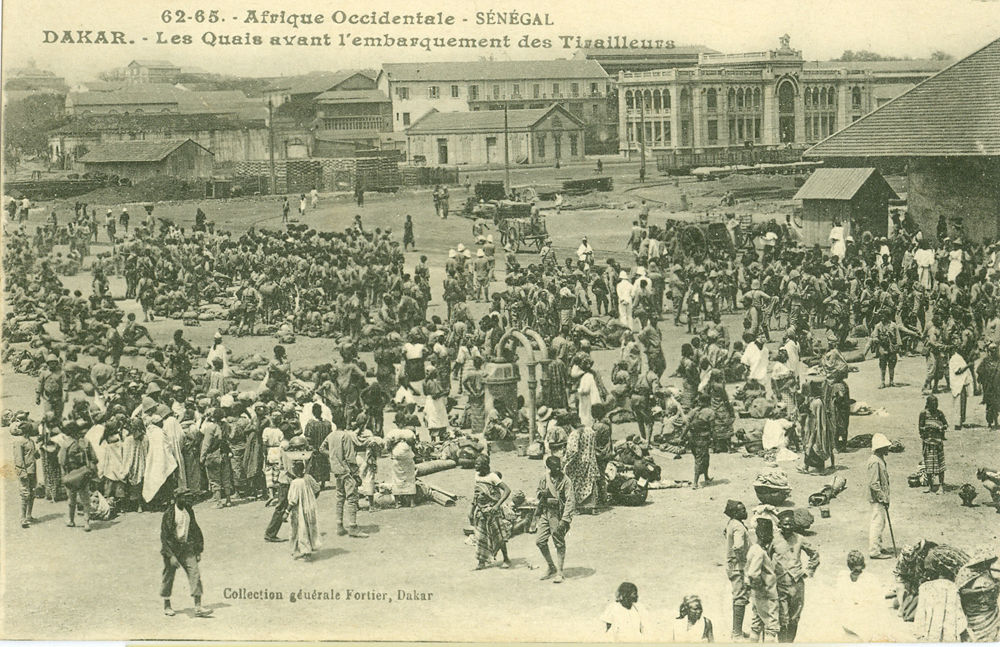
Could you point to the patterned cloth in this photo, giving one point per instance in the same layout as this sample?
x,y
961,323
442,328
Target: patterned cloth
x,y
492,527
581,462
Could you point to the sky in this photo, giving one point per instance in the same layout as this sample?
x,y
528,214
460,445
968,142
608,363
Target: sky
x,y
822,29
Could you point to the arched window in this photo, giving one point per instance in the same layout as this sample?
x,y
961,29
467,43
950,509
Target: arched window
x,y
685,99
739,99
856,98
628,100
831,97
822,97
756,99
711,99
656,100
786,112
731,103
666,99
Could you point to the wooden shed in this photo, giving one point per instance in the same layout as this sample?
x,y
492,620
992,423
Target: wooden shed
x,y
141,160
857,198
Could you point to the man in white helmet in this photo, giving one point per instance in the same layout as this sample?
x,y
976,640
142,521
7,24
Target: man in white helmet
x,y
878,495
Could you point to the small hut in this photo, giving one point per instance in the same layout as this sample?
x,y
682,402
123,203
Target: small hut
x,y
857,198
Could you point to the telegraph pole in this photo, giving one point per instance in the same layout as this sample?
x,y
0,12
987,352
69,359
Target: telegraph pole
x,y
270,136
506,152
642,135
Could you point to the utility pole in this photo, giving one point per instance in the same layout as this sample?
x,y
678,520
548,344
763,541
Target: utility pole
x,y
506,152
642,135
270,136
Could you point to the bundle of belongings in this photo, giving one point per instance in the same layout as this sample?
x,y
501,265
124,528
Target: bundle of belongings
x,y
464,450
771,485
801,517
829,492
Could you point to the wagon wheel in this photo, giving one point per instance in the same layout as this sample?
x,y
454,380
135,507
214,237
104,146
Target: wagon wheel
x,y
515,242
528,194
693,242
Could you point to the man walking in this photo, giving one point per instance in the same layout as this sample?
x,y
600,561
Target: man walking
x,y
737,545
340,447
878,496
25,456
760,577
297,451
181,546
556,504
788,549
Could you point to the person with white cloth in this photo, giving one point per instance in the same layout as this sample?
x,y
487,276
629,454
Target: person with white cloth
x,y
955,256
585,253
924,258
218,350
838,245
624,291
961,383
756,357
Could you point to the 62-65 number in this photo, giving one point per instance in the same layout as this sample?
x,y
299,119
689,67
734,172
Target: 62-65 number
x,y
179,15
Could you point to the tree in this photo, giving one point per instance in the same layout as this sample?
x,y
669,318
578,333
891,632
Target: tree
x,y
865,55
941,55
28,122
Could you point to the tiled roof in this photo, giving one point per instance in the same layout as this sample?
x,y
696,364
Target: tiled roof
x,y
317,81
121,97
494,70
839,183
155,123
352,96
133,151
482,121
956,112
669,52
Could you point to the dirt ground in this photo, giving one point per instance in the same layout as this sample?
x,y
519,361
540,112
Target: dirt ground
x,y
61,583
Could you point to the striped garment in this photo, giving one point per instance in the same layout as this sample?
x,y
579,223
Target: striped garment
x,y
933,458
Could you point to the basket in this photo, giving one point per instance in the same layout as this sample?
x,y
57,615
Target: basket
x,y
772,495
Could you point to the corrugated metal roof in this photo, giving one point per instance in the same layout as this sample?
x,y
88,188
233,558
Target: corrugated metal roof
x,y
121,97
472,71
927,65
318,81
134,151
838,183
352,96
482,121
953,113
155,64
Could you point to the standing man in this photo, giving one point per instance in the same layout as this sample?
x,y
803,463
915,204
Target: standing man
x,y
737,545
52,388
285,209
408,239
878,496
340,447
760,577
297,452
556,504
314,197
181,546
788,549
443,201
25,457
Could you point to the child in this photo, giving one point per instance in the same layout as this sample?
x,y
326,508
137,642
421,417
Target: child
x,y
302,494
272,439
623,618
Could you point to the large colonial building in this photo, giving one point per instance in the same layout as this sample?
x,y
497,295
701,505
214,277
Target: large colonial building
x,y
579,86
761,99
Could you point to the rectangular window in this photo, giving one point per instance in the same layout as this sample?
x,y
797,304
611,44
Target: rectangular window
x,y
555,89
496,91
593,89
573,150
756,128
685,133
666,133
713,132
434,92
473,92
536,91
739,130
596,108
574,89
406,119
732,132
454,92
540,146
517,89
403,92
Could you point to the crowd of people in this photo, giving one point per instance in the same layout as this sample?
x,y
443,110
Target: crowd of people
x,y
185,423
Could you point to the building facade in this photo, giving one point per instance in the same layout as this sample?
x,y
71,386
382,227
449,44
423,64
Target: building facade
x,y
759,99
148,71
351,120
579,86
534,136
